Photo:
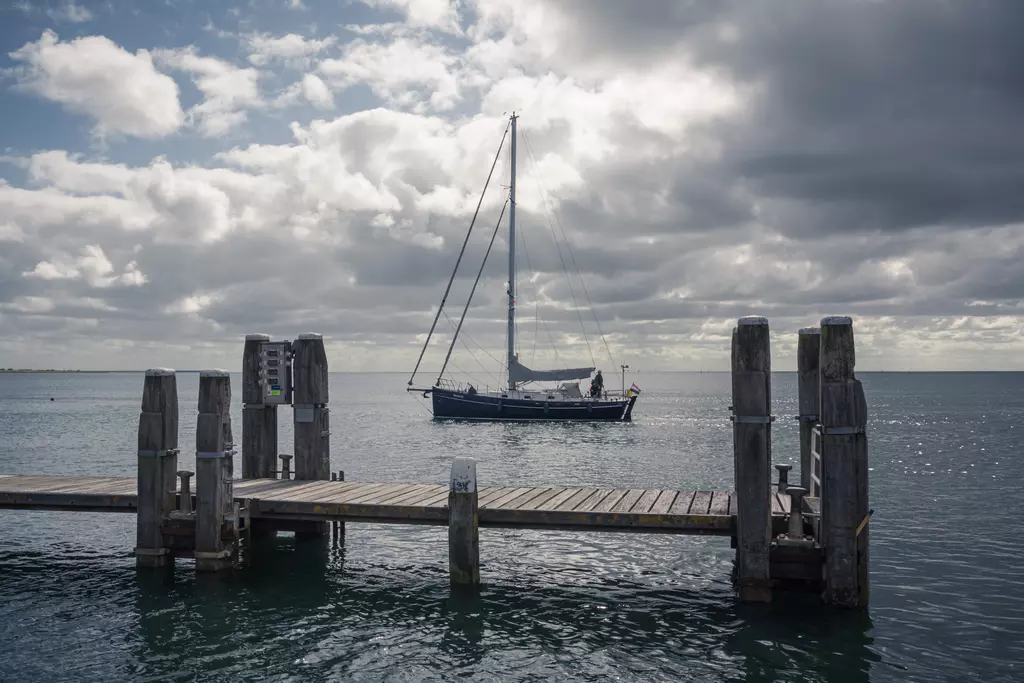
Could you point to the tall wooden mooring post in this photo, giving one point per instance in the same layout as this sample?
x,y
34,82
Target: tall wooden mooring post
x,y
170,524
824,545
295,373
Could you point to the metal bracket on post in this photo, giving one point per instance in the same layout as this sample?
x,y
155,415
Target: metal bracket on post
x,y
842,431
149,453
753,419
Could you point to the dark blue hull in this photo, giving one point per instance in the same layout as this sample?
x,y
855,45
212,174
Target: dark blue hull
x,y
457,405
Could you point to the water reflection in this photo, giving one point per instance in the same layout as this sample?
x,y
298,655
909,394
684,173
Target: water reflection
x,y
560,606
299,616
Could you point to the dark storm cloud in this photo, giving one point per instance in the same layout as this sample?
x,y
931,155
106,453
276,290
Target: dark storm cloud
x,y
872,167
883,115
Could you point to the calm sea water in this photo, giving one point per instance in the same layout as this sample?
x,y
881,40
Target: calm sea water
x,y
947,579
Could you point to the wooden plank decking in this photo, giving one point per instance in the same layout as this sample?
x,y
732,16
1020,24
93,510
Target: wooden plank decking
x,y
544,507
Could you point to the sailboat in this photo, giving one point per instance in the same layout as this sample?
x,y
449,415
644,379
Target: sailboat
x,y
520,399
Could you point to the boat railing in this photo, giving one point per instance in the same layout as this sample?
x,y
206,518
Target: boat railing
x,y
461,387
449,384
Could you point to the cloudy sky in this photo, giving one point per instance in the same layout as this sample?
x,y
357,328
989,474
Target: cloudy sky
x,y
176,174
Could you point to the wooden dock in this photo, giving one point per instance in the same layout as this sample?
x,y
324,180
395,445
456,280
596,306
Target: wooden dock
x,y
538,507
812,537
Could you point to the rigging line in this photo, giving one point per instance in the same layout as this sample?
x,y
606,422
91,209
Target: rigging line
x,y
536,298
568,247
473,290
462,251
500,363
473,356
536,312
568,281
419,402
529,284
472,378
470,351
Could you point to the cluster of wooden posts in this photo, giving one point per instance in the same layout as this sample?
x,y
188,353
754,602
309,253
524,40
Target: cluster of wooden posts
x,y
169,523
822,546
825,544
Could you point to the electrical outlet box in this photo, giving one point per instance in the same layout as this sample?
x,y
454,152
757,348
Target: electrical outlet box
x,y
276,373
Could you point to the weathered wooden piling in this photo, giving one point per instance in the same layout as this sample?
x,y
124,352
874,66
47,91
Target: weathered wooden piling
x,y
259,420
312,425
807,350
844,496
157,465
215,390
214,495
752,453
259,424
463,525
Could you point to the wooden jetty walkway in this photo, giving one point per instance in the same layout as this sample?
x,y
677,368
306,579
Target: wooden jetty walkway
x,y
811,535
542,507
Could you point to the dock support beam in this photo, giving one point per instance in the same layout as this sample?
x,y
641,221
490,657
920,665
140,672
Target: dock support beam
x,y
844,496
752,453
157,465
463,525
214,496
807,349
311,417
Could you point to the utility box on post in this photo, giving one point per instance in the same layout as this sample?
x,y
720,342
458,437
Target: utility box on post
x,y
275,372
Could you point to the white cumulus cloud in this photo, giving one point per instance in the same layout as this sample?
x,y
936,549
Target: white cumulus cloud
x,y
290,49
69,11
92,266
122,91
228,90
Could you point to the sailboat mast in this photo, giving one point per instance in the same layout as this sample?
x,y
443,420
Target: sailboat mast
x,y
512,257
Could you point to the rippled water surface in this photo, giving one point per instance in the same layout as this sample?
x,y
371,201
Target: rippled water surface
x,y
947,599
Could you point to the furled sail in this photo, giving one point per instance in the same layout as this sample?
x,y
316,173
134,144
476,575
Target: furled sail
x,y
517,372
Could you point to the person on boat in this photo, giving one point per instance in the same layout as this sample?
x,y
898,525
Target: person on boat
x,y
471,390
597,385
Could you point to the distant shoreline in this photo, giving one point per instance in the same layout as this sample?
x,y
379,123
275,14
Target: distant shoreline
x,y
23,371
26,371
